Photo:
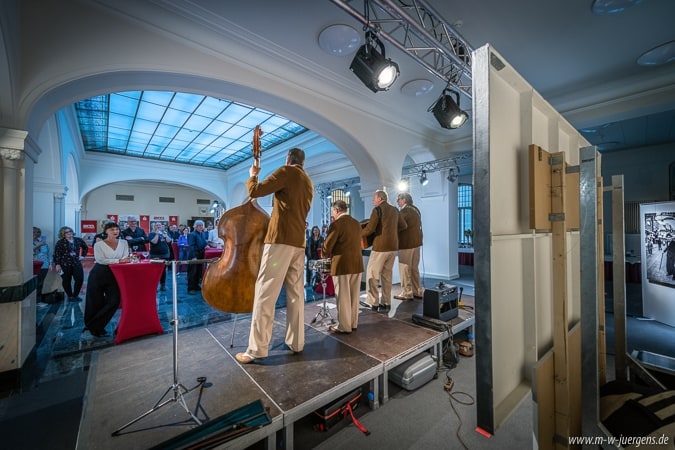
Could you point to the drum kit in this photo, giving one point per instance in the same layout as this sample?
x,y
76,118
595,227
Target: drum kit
x,y
322,267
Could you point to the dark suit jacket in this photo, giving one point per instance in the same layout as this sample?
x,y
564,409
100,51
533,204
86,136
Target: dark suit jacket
x,y
411,236
138,238
387,240
293,192
343,242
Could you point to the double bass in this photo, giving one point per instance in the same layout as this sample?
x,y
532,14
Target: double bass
x,y
229,282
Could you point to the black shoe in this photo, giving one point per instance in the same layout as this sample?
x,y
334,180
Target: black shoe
x,y
375,308
384,308
101,333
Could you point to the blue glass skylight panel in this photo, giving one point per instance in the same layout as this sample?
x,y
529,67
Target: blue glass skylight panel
x,y
186,102
150,111
161,98
211,107
188,128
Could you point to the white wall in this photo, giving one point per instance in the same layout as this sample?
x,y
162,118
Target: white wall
x,y
100,202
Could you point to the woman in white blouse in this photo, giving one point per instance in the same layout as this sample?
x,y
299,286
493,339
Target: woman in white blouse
x,y
103,293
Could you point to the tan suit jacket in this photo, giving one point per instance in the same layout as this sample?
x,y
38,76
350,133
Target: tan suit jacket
x,y
387,240
343,242
293,192
411,236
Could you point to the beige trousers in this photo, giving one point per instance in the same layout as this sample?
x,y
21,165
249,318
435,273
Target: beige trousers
x,y
408,266
347,292
280,264
379,271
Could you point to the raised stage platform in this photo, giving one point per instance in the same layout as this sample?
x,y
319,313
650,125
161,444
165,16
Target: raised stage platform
x,y
127,380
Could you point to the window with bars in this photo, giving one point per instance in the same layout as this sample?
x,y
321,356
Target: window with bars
x,y
465,215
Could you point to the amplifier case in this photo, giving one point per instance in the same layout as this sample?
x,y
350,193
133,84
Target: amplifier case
x,y
440,302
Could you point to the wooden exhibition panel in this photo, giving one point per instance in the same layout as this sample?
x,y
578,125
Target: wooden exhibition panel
x,y
513,264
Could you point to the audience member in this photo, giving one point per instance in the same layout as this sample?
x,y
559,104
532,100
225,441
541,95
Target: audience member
x,y
135,235
343,243
313,251
160,248
69,252
215,241
101,235
384,223
197,241
283,255
103,293
40,253
409,243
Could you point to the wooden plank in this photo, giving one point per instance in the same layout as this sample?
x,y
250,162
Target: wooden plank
x,y
540,187
543,393
572,200
560,314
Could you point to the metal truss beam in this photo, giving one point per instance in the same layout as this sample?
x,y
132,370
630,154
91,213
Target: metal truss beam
x,y
417,29
464,159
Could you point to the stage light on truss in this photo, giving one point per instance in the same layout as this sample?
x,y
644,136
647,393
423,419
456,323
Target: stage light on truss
x,y
372,67
453,174
423,178
346,191
403,185
447,111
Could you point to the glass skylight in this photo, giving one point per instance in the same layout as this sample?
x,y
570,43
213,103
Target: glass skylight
x,y
178,127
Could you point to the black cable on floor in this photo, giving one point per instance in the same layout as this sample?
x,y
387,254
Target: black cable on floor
x,y
457,397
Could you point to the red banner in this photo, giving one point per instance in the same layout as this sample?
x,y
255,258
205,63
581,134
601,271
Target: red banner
x,y
87,232
144,223
173,220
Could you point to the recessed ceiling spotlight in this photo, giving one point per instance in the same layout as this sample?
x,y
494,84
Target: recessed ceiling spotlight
x,y
604,7
339,40
663,54
416,88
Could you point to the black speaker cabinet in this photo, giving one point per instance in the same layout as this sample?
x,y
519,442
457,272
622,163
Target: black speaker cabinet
x,y
440,302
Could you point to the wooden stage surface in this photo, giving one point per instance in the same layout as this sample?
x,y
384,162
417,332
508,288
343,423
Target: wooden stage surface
x,y
128,380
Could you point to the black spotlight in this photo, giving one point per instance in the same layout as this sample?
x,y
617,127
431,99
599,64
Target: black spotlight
x,y
371,66
447,111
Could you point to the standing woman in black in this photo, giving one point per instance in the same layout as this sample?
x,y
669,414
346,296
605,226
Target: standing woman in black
x,y
68,254
312,250
103,293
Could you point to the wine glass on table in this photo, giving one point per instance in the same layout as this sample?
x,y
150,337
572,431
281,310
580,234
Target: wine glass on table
x,y
145,254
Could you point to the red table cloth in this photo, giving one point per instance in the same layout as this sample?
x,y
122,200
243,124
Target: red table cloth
x,y
138,288
210,252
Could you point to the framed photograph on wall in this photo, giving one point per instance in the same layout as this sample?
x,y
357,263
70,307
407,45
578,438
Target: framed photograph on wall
x,y
658,235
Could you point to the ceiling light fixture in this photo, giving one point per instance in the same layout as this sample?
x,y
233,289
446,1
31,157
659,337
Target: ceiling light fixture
x,y
603,7
423,178
663,54
416,88
447,111
372,67
339,40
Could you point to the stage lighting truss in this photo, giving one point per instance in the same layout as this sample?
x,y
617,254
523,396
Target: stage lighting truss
x,y
447,111
372,67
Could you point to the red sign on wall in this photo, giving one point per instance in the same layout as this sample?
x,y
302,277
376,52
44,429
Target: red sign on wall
x,y
87,232
173,220
144,222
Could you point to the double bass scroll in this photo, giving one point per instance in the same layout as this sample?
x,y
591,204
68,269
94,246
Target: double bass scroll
x,y
229,283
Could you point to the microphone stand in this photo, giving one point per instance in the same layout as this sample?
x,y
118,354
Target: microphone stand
x,y
177,389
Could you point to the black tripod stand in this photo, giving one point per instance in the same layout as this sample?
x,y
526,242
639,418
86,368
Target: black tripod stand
x,y
177,389
323,313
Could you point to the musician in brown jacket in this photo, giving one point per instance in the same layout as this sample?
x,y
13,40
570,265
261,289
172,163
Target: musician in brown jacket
x,y
409,243
283,255
384,222
343,243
